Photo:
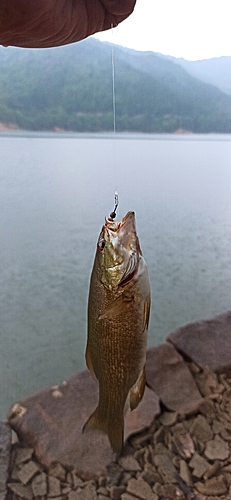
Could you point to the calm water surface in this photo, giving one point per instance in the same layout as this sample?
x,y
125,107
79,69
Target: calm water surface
x,y
54,194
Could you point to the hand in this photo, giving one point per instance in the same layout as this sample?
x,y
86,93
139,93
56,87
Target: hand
x,y
50,23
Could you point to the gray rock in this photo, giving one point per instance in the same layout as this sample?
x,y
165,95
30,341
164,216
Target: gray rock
x,y
86,493
129,463
28,471
24,492
103,491
168,491
227,478
141,439
159,436
207,342
212,470
185,473
65,489
168,418
217,448
168,375
165,468
102,481
126,477
207,408
150,476
127,496
54,487
156,488
227,468
217,427
116,492
213,486
39,485
140,489
14,473
179,429
201,429
74,495
23,455
199,465
58,471
160,449
74,480
208,383
5,447
60,497
225,435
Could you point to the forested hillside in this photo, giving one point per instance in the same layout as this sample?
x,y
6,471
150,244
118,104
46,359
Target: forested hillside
x,y
216,71
71,88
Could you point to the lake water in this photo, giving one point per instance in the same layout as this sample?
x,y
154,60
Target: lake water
x,y
55,191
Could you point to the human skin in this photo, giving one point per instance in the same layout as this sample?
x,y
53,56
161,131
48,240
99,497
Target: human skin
x,y
51,23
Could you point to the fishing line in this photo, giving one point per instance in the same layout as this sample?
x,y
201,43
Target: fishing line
x,y
113,81
113,214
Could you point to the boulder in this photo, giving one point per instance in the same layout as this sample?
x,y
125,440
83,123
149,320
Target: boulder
x,y
206,342
51,423
169,376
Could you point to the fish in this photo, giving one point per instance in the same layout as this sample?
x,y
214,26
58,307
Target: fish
x,y
118,316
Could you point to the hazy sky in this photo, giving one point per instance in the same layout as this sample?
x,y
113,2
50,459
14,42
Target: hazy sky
x,y
193,29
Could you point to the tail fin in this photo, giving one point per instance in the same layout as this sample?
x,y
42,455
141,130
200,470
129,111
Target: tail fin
x,y
114,428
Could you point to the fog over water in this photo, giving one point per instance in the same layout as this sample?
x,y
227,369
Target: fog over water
x,y
55,191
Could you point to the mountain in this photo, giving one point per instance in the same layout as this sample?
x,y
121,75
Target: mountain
x,y
216,71
71,88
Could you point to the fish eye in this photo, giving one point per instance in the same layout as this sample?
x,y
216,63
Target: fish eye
x,y
101,245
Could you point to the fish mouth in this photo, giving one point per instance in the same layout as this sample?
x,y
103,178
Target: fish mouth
x,y
128,220
125,230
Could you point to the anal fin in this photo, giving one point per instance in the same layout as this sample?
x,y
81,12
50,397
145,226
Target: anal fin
x,y
137,391
94,423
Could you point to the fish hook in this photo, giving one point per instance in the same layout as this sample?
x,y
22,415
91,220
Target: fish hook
x,y
113,214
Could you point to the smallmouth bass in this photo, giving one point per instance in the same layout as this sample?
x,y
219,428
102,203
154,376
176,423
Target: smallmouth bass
x,y
118,315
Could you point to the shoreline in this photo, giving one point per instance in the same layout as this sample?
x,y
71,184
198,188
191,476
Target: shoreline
x,y
210,136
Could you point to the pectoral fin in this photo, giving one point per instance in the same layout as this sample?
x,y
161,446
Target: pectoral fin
x,y
137,391
118,306
147,306
88,361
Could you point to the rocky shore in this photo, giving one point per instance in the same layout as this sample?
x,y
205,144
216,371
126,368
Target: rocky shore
x,y
5,127
178,441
